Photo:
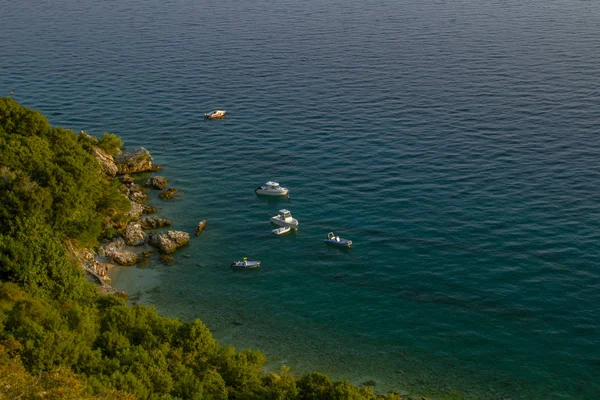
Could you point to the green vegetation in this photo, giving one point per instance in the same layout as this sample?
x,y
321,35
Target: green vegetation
x,y
59,337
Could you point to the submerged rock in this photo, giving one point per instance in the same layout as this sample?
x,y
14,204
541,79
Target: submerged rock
x,y
134,235
136,160
168,194
157,182
167,259
148,209
154,222
200,227
169,241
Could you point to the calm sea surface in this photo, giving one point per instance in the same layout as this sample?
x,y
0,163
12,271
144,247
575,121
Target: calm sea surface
x,y
455,142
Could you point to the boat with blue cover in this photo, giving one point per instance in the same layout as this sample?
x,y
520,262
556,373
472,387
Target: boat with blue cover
x,y
337,241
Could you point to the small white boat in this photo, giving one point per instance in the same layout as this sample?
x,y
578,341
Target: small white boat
x,y
281,231
284,218
337,241
271,189
245,263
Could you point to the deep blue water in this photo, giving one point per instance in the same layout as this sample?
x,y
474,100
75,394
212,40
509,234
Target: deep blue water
x,y
455,142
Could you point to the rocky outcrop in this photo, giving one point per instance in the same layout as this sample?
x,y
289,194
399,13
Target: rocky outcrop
x,y
138,197
157,182
136,193
154,222
126,179
134,235
136,160
168,242
168,194
136,210
106,161
200,227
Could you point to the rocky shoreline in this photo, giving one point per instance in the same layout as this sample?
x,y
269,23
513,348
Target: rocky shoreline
x,y
120,249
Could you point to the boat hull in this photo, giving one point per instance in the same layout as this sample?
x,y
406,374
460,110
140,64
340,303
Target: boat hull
x,y
266,192
292,224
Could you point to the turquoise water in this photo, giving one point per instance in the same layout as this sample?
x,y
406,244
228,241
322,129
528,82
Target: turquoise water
x,y
456,143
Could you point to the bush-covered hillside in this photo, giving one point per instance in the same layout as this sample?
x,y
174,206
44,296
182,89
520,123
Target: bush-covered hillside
x,y
60,338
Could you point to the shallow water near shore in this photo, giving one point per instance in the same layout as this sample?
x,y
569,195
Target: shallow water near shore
x,y
456,143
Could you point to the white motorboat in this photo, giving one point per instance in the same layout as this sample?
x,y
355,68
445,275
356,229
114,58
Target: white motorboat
x,y
284,218
271,189
245,263
281,231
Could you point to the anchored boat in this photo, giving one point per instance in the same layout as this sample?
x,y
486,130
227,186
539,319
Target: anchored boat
x,y
245,263
284,218
215,114
337,241
271,189
281,231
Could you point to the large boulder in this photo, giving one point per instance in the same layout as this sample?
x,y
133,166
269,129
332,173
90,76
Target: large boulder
x,y
106,161
111,247
157,182
154,222
136,160
134,235
169,241
125,257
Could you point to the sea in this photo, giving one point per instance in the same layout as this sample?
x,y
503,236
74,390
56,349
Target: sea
x,y
455,142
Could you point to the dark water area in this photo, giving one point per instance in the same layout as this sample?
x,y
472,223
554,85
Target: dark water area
x,y
455,142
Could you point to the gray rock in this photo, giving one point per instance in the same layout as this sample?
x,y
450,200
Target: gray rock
x,y
125,257
106,161
136,160
157,182
154,222
168,242
113,246
134,235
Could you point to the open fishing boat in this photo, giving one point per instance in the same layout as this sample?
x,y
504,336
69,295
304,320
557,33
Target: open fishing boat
x,y
215,114
245,263
337,241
